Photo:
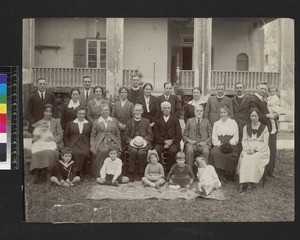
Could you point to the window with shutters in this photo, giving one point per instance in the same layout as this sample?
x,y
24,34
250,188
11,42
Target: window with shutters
x,y
90,53
242,62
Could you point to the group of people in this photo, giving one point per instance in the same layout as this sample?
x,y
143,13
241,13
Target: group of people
x,y
97,137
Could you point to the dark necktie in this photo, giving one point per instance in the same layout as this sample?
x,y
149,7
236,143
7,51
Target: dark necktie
x,y
87,95
42,96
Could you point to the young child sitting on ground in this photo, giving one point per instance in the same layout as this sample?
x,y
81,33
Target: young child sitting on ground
x,y
208,178
110,173
273,106
180,175
154,172
42,137
64,173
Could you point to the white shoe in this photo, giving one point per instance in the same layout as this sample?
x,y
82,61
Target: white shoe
x,y
174,187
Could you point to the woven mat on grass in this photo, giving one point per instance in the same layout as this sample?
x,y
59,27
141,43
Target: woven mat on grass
x,y
136,190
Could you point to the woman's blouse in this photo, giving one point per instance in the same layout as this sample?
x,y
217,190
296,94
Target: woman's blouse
x,y
229,128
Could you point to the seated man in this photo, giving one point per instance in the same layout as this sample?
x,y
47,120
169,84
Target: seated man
x,y
167,134
197,136
138,138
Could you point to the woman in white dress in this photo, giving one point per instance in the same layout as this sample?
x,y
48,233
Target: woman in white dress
x,y
256,154
224,154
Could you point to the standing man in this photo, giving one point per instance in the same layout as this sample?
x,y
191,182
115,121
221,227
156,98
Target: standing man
x,y
197,136
136,91
36,103
87,93
240,104
167,134
171,98
214,102
258,100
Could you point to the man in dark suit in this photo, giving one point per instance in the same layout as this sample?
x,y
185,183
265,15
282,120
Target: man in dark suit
x,y
138,126
36,103
87,93
214,102
197,136
258,100
171,98
240,104
167,134
136,91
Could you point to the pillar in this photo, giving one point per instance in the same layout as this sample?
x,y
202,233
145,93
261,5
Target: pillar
x,y
28,50
114,54
202,53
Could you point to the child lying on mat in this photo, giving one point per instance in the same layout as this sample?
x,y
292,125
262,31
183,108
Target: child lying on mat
x,y
110,173
180,175
154,172
208,178
64,172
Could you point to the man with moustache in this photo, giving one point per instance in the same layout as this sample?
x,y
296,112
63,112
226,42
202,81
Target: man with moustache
x,y
240,104
167,134
197,136
86,94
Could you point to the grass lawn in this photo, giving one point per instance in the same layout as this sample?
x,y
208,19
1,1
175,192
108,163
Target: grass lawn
x,y
273,202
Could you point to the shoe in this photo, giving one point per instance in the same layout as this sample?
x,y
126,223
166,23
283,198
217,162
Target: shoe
x,y
203,190
241,188
249,189
271,175
115,183
174,187
131,176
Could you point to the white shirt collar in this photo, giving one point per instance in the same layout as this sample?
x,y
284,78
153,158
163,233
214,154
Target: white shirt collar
x,y
167,97
73,105
221,96
259,96
101,119
166,118
41,92
84,121
89,91
240,96
135,88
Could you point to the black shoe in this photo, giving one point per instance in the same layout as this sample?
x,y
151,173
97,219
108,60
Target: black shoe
x,y
271,175
131,176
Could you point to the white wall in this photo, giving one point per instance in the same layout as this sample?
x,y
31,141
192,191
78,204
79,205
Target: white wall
x,y
61,32
229,38
145,43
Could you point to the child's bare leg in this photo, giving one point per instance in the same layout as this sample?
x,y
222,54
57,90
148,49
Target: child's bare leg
x,y
273,124
146,181
212,187
159,182
55,180
75,180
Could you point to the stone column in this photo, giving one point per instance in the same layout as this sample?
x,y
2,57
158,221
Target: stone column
x,y
114,54
202,53
28,50
287,68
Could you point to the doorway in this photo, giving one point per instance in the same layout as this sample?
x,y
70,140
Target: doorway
x,y
187,58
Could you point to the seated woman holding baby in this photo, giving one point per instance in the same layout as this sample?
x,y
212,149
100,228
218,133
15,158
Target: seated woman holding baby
x,y
46,135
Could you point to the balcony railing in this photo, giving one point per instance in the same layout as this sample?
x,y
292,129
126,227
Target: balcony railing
x,y
69,77
249,79
229,78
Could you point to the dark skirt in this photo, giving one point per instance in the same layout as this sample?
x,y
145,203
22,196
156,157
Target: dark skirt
x,y
224,161
81,154
181,181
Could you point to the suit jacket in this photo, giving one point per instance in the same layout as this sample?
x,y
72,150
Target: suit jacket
x,y
153,107
172,129
55,129
241,114
255,102
122,114
67,115
212,108
35,107
175,105
82,99
93,111
205,130
99,132
134,95
144,128
72,135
